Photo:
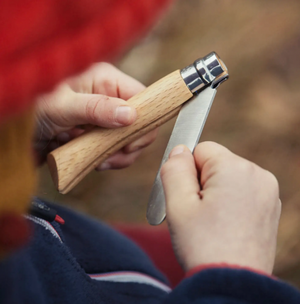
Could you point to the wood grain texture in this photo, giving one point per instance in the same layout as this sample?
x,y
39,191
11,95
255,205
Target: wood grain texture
x,y
155,105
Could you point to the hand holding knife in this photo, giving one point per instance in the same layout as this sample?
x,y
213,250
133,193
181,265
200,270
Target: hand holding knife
x,y
202,78
155,105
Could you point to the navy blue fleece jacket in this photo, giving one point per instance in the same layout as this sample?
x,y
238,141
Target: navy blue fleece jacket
x,y
85,261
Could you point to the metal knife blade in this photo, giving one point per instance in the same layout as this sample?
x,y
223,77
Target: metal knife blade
x,y
187,131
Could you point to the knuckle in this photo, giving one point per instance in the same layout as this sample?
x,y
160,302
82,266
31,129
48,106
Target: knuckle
x,y
271,181
91,106
257,173
270,191
152,137
213,154
223,162
95,109
242,166
212,146
103,65
125,163
247,167
236,167
279,208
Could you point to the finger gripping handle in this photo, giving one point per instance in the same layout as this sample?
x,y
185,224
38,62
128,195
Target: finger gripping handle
x,y
158,103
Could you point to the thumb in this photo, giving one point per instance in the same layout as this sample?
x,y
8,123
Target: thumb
x,y
97,109
180,181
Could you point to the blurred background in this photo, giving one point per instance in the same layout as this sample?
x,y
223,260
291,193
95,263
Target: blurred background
x,y
256,114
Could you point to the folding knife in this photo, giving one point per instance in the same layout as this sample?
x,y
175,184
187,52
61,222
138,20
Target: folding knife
x,y
202,78
189,91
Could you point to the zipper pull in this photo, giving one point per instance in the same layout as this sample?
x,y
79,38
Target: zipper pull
x,y
41,210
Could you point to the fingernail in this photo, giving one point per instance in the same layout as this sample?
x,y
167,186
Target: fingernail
x,y
104,166
177,150
123,115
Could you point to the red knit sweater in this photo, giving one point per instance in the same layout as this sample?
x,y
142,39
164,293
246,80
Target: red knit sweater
x,y
43,41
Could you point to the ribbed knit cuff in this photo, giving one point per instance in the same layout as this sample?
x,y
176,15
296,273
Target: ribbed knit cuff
x,y
225,265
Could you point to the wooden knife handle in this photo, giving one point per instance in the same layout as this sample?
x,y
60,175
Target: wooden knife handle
x,y
158,103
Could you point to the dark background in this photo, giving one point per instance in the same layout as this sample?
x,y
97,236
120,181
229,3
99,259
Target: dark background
x,y
256,114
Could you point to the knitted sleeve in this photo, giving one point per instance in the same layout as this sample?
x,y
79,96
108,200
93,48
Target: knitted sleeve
x,y
234,286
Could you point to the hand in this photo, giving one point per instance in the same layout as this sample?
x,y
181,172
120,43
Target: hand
x,y
95,98
230,216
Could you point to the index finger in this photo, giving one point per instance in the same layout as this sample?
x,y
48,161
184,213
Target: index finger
x,y
104,78
206,155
